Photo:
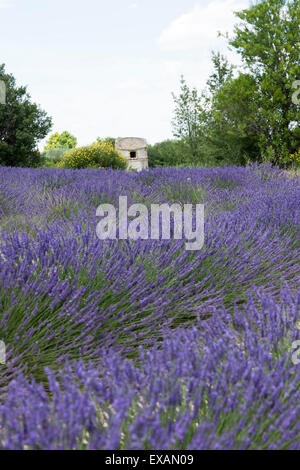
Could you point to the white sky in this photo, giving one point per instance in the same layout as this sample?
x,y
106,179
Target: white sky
x,y
107,68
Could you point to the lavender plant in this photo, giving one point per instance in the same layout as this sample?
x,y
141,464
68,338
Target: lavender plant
x,y
144,345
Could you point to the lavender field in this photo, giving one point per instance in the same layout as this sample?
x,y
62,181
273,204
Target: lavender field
x,y
143,344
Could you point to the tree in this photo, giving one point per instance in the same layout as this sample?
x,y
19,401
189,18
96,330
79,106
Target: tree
x,y
189,119
232,133
228,101
268,40
196,122
22,125
65,140
109,140
169,153
222,72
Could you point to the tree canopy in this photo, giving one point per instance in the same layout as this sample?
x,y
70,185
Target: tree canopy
x,y
253,115
22,125
65,140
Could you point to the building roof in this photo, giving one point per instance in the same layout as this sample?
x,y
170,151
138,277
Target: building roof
x,y
130,143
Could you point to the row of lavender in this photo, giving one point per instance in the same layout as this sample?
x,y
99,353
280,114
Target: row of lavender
x,y
144,344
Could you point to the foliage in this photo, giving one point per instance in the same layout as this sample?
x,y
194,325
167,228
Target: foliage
x,y
65,140
22,125
222,72
97,155
51,158
224,107
232,132
169,153
268,40
109,140
255,115
295,158
189,118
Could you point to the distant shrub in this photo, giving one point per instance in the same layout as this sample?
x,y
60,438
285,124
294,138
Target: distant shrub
x,y
295,158
97,155
168,153
52,157
64,140
111,140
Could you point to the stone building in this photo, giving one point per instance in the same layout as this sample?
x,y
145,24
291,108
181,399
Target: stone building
x,y
134,150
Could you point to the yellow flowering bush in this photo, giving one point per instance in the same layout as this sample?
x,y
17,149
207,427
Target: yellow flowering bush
x,y
97,155
295,158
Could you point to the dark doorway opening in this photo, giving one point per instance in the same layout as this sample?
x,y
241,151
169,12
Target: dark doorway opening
x,y
132,154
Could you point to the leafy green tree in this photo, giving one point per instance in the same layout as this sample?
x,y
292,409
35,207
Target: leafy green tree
x,y
169,153
65,140
189,119
222,72
109,140
254,116
196,123
22,125
268,40
226,139
232,133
